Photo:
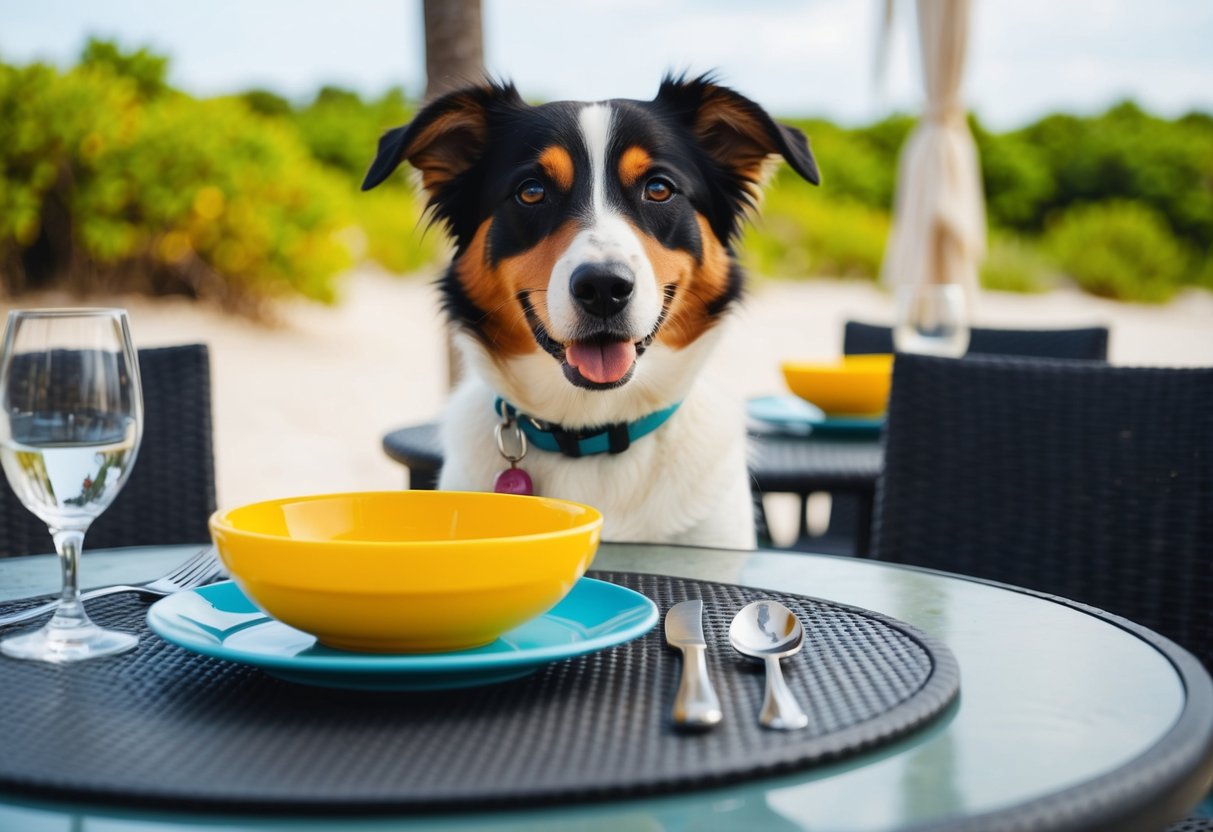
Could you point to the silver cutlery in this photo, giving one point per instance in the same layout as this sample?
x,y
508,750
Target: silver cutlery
x,y
200,569
769,631
695,703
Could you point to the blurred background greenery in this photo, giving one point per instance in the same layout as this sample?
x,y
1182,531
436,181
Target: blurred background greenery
x,y
111,179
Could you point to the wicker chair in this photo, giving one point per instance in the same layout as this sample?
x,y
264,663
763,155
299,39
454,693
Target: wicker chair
x,y
1090,343
171,490
1075,478
864,339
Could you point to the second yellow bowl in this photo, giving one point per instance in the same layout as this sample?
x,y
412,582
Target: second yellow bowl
x,y
857,385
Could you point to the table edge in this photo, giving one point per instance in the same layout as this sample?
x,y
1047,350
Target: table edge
x,y
1148,792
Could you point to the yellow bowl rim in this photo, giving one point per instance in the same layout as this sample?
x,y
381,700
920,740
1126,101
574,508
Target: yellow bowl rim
x,y
216,521
880,364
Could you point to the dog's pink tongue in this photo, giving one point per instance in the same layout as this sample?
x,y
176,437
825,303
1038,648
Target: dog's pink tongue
x,y
602,363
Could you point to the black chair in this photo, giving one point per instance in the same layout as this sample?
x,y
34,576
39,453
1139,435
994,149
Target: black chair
x,y
171,490
1089,343
1075,478
846,515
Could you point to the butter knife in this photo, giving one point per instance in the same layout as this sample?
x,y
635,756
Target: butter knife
x,y
695,703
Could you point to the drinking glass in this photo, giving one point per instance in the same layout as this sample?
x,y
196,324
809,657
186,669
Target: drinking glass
x,y
932,319
71,417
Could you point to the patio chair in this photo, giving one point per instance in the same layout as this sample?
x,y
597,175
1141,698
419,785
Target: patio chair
x,y
859,338
171,490
1074,478
1089,343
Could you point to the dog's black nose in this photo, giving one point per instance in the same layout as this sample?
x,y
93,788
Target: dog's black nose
x,y
602,289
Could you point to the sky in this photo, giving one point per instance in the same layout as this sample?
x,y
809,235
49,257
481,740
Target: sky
x,y
795,57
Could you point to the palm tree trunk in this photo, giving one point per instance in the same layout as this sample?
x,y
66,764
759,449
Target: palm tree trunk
x,y
454,45
454,57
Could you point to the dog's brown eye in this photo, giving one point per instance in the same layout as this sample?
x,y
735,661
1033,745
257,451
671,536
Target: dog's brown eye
x,y
531,192
658,189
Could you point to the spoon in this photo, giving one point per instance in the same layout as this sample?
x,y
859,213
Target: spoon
x,y
769,631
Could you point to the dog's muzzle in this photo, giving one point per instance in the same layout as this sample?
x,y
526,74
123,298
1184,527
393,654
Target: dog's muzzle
x,y
603,354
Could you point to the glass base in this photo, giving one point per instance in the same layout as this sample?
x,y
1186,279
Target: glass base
x,y
62,644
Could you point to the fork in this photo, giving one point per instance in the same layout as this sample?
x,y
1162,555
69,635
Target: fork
x,y
200,569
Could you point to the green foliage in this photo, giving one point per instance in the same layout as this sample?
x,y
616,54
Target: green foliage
x,y
147,70
1029,176
1015,264
266,103
1120,250
395,232
857,165
799,234
1126,154
110,176
1016,179
342,131
105,186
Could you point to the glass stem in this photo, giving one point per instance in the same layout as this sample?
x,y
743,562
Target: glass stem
x,y
68,543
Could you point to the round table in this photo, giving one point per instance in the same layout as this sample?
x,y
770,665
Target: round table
x,y
843,466
1068,718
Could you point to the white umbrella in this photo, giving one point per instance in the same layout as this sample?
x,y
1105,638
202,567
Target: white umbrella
x,y
939,224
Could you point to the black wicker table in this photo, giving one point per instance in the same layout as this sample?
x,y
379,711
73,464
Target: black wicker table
x,y
847,466
1068,719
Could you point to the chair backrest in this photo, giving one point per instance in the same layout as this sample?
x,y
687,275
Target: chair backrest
x,y
1089,343
1075,478
171,490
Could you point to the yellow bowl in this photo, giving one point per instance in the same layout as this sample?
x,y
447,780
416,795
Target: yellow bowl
x,y
857,385
407,571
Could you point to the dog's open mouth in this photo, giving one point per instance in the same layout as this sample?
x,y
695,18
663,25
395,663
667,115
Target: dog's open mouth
x,y
602,362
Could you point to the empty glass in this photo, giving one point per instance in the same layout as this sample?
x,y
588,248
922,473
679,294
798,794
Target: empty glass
x,y
71,416
932,319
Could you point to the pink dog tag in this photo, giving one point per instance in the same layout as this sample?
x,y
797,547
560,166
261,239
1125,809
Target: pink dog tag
x,y
514,481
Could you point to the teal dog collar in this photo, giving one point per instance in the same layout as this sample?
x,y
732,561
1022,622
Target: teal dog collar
x,y
606,439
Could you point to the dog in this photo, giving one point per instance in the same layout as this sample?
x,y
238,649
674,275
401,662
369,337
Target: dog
x,y
593,274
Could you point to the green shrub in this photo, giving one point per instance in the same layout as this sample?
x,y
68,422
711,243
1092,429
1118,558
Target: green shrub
x,y
1016,180
1126,154
266,103
394,231
857,165
1016,264
148,71
342,131
798,233
110,178
1122,250
104,186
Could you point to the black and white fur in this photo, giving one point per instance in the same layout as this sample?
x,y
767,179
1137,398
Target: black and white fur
x,y
593,274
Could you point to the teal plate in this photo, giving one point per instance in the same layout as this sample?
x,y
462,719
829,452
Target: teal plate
x,y
220,621
793,415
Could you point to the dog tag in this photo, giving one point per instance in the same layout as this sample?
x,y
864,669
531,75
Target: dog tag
x,y
514,481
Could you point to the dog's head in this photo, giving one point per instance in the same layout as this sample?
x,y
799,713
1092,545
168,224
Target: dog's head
x,y
588,234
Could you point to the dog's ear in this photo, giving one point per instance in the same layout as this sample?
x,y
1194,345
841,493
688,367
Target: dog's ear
x,y
446,138
737,133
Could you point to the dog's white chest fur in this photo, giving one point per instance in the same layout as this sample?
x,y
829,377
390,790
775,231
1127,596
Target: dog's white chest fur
x,y
684,483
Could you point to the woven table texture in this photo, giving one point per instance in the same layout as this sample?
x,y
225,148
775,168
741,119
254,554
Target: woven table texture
x,y
162,726
793,463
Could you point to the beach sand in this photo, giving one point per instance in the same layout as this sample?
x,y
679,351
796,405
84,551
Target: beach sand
x,y
301,406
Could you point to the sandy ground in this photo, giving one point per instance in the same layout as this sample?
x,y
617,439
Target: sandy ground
x,y
301,407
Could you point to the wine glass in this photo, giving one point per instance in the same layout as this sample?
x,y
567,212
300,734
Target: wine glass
x,y
932,319
71,417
